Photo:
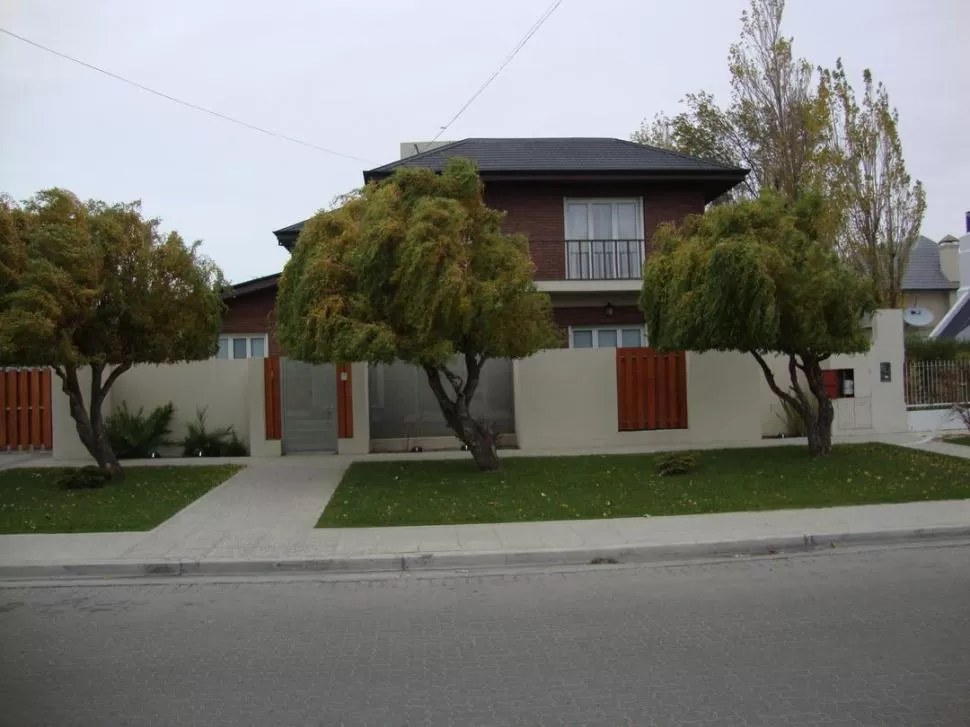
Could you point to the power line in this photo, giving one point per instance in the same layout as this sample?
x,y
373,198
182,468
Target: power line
x,y
188,104
508,59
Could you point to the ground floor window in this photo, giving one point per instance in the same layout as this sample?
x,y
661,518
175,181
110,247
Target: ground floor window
x,y
242,346
607,337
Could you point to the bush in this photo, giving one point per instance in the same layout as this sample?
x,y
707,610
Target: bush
x,y
85,478
919,348
135,435
676,463
200,442
794,424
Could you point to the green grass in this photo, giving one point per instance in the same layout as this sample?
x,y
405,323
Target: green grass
x,y
958,440
31,501
424,492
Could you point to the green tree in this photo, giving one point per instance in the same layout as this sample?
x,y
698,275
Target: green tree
x,y
97,285
416,268
776,122
883,206
754,277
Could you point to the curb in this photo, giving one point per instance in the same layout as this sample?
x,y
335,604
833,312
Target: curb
x,y
452,561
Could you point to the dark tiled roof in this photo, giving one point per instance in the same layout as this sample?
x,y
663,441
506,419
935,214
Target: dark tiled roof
x,y
562,155
959,321
923,271
252,286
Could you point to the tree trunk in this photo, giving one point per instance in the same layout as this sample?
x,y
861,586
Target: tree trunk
x,y
90,426
481,445
819,422
472,433
816,417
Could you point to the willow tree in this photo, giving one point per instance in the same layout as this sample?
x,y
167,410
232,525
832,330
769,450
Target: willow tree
x,y
417,269
93,285
759,277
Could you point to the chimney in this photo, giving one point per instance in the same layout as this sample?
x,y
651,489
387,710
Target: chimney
x,y
410,148
950,258
964,246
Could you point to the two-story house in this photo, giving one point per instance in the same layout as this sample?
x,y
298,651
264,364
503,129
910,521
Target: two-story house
x,y
589,207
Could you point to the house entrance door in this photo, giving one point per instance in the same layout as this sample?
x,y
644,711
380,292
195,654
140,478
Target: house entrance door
x,y
309,407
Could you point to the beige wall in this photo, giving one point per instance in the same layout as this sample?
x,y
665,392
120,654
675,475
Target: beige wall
x,y
360,443
231,391
938,302
878,406
567,398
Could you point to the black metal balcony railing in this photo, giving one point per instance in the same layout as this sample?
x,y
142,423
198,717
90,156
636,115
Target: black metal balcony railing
x,y
604,259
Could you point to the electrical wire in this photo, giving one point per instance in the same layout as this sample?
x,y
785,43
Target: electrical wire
x,y
188,104
508,59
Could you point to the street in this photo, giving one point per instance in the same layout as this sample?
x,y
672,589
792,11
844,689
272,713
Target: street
x,y
869,637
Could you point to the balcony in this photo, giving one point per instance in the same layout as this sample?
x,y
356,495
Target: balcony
x,y
601,260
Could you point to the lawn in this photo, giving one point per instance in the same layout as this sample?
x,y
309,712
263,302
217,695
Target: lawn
x,y
31,501
424,492
957,440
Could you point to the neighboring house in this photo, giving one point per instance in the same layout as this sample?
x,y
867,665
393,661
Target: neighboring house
x,y
930,282
956,322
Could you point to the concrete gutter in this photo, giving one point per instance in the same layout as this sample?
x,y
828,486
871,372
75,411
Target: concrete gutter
x,y
478,560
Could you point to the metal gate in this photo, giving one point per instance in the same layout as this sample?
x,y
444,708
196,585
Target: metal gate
x,y
309,407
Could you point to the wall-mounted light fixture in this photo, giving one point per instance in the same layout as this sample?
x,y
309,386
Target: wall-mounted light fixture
x,y
609,310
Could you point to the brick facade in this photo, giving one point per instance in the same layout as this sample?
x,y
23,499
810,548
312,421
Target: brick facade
x,y
536,209
252,313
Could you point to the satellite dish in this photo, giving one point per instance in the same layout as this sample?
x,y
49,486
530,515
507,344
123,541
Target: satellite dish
x,y
918,317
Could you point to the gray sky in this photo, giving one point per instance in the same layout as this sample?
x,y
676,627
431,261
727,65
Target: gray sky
x,y
360,76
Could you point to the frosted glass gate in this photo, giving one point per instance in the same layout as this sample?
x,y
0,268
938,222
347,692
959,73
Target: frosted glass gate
x,y
309,407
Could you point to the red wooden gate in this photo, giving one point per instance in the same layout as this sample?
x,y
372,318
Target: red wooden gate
x,y
651,389
25,409
271,394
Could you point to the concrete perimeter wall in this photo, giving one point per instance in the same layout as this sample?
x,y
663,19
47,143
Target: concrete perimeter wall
x,y
567,398
231,391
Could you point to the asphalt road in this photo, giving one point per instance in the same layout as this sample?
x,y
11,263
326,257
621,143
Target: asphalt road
x,y
863,638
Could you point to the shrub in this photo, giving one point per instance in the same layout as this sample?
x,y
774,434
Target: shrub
x,y
135,435
200,442
676,463
794,423
84,478
919,348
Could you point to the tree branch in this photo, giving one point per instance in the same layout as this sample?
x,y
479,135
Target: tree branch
x,y
113,376
770,378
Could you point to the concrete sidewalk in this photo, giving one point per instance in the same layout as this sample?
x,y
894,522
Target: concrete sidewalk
x,y
262,520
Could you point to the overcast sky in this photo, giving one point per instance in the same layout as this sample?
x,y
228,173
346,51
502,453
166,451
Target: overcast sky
x,y
360,76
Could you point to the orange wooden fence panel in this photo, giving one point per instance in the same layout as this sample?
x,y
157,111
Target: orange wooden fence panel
x,y
271,390
651,389
345,404
25,409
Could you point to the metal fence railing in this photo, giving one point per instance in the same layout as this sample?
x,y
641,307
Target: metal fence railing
x,y
936,383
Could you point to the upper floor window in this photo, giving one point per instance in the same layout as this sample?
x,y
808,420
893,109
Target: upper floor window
x,y
606,337
604,239
242,346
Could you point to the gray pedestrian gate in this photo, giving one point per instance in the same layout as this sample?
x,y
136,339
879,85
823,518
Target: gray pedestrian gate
x,y
309,407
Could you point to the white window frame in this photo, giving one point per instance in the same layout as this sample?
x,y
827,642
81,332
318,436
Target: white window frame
x,y
613,201
230,337
618,329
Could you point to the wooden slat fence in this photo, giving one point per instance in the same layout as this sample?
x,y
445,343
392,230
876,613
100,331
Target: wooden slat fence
x,y
25,409
651,389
